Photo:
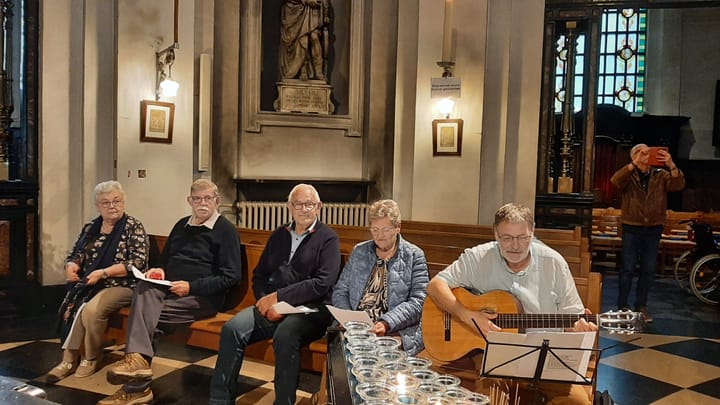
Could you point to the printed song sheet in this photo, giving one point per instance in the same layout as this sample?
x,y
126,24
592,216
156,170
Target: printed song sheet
x,y
140,276
344,316
283,308
521,352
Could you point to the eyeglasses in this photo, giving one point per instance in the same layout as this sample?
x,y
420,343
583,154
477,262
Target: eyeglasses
x,y
113,203
305,205
383,231
519,238
199,198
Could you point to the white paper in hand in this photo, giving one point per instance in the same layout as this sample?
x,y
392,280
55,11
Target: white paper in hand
x,y
140,276
344,316
283,308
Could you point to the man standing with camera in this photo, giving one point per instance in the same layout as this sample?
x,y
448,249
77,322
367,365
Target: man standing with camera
x,y
643,193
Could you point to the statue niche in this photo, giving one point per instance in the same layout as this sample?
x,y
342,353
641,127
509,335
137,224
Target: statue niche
x,y
303,57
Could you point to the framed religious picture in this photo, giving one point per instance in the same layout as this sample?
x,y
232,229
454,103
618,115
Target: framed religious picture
x,y
447,137
156,121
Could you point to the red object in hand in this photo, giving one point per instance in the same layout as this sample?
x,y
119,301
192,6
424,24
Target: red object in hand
x,y
155,276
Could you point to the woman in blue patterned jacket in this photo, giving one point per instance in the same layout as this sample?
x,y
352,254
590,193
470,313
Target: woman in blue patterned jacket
x,y
387,278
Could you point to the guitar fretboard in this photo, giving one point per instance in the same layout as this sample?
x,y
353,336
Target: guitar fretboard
x,y
534,321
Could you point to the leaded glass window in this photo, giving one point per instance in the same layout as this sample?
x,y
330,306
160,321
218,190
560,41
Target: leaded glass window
x,y
621,68
621,77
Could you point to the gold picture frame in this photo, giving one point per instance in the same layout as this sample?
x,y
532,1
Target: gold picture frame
x,y
447,137
156,121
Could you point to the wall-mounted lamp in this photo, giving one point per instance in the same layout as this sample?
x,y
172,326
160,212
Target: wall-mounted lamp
x,y
446,106
165,86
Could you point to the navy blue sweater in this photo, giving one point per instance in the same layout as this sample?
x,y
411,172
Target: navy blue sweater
x,y
310,275
209,259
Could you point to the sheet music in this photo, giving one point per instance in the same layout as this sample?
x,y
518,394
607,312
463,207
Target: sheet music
x,y
140,276
283,308
526,358
344,316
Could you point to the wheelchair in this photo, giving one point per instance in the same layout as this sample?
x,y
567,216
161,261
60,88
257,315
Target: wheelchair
x,y
698,270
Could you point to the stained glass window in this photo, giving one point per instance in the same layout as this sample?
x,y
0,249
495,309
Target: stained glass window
x,y
621,68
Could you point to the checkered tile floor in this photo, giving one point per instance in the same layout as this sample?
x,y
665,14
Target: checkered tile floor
x,y
181,375
677,360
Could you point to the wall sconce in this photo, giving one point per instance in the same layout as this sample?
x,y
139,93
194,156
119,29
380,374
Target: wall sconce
x,y
165,86
446,106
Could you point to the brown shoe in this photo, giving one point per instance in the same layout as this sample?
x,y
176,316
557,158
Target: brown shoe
x,y
61,371
646,315
128,398
132,367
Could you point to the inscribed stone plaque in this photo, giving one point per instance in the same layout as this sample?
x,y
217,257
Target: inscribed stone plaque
x,y
304,97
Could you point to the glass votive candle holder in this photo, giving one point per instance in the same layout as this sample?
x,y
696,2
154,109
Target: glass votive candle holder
x,y
475,398
408,398
375,391
361,347
356,325
456,393
418,362
391,355
369,374
430,389
359,335
392,368
387,343
403,383
423,374
448,380
364,360
439,400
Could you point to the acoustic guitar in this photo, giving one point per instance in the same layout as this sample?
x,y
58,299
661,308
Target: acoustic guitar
x,y
447,338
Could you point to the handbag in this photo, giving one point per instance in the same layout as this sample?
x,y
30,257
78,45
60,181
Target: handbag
x,y
78,294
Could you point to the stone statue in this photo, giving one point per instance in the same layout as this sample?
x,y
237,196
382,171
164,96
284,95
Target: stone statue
x,y
304,39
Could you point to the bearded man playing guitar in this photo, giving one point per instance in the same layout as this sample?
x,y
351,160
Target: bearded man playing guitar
x,y
536,275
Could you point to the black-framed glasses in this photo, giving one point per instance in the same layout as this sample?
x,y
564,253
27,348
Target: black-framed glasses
x,y
113,203
519,238
304,205
199,198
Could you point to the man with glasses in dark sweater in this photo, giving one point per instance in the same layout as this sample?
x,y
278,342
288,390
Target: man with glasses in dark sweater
x,y
202,261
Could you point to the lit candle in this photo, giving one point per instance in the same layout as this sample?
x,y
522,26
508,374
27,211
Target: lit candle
x,y
401,383
447,32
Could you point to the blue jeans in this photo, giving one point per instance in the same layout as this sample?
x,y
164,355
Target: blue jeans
x,y
639,247
289,335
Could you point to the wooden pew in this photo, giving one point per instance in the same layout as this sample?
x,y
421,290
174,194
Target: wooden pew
x,y
205,333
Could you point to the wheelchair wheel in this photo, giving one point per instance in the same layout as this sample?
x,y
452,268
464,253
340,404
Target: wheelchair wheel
x,y
683,266
705,279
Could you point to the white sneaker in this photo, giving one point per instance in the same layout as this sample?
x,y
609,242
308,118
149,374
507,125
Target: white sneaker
x,y
86,368
61,371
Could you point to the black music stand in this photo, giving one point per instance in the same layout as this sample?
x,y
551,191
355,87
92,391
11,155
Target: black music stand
x,y
543,350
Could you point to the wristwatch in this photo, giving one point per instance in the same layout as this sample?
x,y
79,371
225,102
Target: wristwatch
x,y
105,275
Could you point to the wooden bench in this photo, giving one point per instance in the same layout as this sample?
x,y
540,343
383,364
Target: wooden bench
x,y
439,254
205,333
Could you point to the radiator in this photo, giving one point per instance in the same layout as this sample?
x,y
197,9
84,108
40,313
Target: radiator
x,y
268,215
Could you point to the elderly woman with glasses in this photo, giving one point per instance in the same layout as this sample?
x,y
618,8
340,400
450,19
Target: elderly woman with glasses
x,y
99,280
387,278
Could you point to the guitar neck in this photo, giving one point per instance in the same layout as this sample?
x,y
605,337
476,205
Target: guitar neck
x,y
533,321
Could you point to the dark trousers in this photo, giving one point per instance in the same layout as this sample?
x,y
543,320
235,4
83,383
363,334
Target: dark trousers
x,y
639,249
289,335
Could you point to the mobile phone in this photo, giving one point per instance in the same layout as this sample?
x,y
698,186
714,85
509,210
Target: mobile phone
x,y
653,156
